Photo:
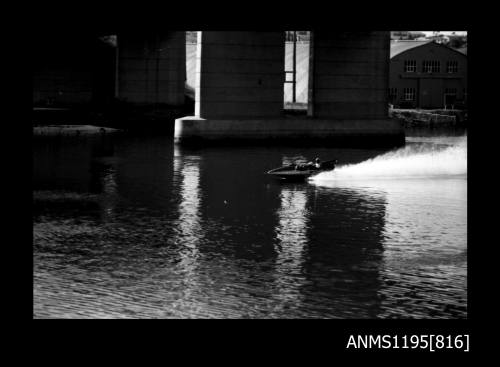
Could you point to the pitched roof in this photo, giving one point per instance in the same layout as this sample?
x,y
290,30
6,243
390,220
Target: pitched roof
x,y
399,46
462,50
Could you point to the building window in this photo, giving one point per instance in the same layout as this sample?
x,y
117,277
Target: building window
x,y
452,67
450,97
431,66
409,94
410,66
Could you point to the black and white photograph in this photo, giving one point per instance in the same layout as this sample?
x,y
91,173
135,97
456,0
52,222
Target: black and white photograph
x,y
314,174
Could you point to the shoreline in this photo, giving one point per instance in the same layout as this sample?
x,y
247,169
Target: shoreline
x,y
432,118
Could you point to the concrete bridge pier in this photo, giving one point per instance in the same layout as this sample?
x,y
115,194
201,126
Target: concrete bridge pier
x,y
72,71
348,87
239,90
139,77
238,86
151,68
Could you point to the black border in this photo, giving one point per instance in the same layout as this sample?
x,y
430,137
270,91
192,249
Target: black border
x,y
323,336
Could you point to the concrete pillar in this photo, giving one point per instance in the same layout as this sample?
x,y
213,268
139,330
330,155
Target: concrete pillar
x,y
151,68
350,75
239,90
62,70
239,75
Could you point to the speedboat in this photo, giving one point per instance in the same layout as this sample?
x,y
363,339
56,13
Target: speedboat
x,y
300,171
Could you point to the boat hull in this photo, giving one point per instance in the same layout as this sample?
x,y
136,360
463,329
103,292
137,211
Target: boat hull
x,y
291,172
293,175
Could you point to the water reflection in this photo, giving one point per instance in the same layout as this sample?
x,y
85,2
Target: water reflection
x,y
188,234
344,254
424,237
62,164
103,176
81,180
149,229
187,174
291,233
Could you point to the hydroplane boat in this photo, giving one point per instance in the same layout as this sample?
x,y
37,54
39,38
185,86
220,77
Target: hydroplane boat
x,y
301,171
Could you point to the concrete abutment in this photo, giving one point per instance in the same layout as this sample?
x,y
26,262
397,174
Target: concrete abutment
x,y
239,90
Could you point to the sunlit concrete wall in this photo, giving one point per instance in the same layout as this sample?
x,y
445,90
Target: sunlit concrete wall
x,y
239,74
151,68
350,74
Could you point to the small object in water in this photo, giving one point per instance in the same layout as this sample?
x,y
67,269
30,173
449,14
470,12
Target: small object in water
x,y
301,171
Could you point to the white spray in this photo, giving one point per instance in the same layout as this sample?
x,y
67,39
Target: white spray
x,y
412,161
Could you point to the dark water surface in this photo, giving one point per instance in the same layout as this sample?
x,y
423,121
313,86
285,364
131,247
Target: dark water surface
x,y
128,227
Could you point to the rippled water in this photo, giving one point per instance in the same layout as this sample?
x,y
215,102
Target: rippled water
x,y
128,227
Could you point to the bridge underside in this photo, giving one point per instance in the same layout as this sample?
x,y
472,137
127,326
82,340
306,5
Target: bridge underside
x,y
151,68
71,71
239,90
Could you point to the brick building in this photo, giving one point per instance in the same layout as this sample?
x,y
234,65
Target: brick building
x,y
424,74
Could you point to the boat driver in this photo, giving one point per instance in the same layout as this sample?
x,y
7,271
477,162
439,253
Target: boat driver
x,y
316,164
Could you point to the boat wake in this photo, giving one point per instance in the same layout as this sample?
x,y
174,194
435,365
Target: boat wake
x,y
412,161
